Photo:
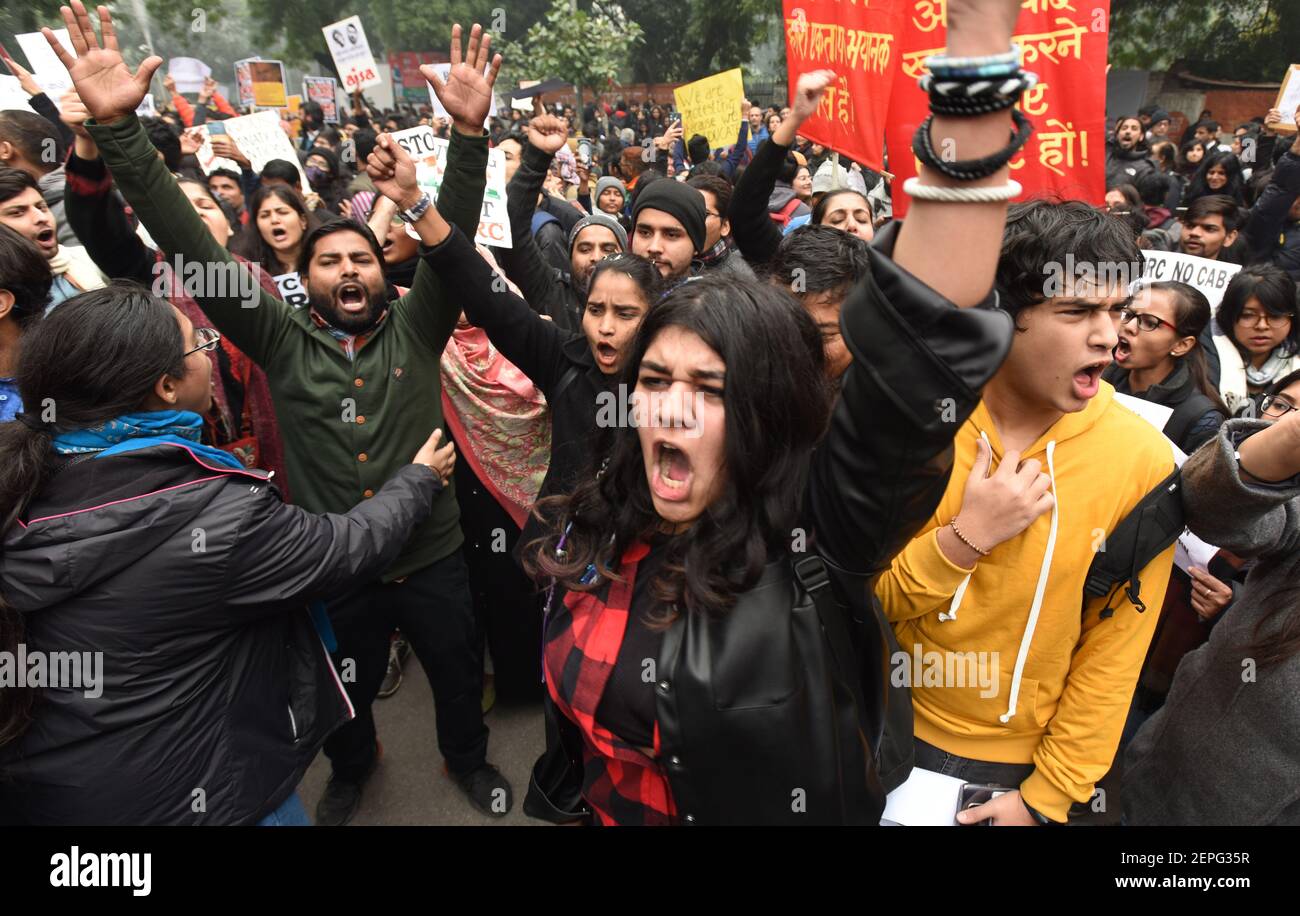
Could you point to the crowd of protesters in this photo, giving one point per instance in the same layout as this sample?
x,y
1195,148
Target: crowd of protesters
x,y
704,465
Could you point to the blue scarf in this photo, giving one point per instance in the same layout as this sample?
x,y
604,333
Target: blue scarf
x,y
134,431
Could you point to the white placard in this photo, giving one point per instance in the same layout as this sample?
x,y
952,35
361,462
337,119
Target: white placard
x,y
291,290
261,139
188,73
926,799
347,42
209,161
443,70
41,56
430,155
12,95
147,109
1210,277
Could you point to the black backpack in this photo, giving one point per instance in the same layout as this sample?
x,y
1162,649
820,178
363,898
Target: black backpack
x,y
1141,536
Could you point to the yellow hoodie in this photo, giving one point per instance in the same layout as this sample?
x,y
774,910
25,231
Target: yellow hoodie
x,y
1057,678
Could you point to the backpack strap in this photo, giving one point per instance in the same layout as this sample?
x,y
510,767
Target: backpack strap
x,y
1186,415
541,218
1142,535
783,215
816,579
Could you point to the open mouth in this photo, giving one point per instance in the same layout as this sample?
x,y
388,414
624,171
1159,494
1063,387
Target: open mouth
x,y
279,233
1123,350
606,354
351,297
1087,381
671,477
45,238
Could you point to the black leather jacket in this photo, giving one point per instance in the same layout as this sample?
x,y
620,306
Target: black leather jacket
x,y
757,711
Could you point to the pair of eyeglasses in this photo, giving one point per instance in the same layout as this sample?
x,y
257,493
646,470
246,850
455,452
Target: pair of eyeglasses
x,y
1276,405
1250,319
1146,321
207,340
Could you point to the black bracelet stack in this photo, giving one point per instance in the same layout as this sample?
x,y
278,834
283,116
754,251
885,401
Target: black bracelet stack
x,y
970,169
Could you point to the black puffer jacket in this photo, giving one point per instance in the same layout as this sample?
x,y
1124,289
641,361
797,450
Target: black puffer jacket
x,y
1123,166
193,582
764,701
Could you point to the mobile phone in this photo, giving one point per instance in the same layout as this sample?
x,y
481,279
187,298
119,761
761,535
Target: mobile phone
x,y
973,795
215,127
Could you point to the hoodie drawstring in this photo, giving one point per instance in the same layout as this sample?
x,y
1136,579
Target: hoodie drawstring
x,y
1038,593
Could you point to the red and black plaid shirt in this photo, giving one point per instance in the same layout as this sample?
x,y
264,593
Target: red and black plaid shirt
x,y
622,785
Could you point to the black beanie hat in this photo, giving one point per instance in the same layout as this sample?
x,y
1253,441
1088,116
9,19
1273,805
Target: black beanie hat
x,y
678,200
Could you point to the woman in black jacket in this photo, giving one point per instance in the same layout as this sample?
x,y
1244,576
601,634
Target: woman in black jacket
x,y
1160,359
175,577
740,678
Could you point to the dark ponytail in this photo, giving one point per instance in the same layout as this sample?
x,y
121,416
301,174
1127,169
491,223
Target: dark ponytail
x,y
1191,315
96,357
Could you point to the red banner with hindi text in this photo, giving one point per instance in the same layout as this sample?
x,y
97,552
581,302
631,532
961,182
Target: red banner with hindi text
x,y
1064,42
858,39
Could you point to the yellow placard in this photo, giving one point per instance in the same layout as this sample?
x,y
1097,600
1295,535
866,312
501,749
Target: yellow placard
x,y
268,83
711,106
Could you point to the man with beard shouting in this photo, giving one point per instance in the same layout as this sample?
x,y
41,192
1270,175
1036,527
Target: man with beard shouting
x,y
355,380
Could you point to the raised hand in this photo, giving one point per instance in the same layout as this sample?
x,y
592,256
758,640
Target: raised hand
x,y
467,93
191,142
548,133
808,94
393,172
107,87
224,146
74,114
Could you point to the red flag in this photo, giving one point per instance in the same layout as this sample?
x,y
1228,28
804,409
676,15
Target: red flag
x,y
1064,42
860,43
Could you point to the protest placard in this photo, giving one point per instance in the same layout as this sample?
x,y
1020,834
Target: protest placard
x,y
1210,277
1065,45
12,95
261,139
430,155
188,73
859,43
46,68
291,290
1288,99
268,83
351,52
244,83
443,70
209,161
323,90
711,107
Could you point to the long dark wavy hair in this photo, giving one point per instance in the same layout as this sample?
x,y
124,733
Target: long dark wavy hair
x,y
777,404
96,357
1231,165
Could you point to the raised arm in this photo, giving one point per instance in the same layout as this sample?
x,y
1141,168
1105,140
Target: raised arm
x,y
524,263
432,305
934,230
1266,218
254,320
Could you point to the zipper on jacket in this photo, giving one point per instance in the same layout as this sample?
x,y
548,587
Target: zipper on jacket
x,y
293,723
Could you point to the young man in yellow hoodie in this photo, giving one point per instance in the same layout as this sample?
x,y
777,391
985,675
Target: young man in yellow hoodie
x,y
1016,680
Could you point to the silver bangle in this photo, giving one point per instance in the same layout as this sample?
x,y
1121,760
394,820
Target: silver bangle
x,y
917,191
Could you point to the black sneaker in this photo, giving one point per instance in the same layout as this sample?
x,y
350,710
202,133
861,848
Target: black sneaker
x,y
343,796
488,790
398,650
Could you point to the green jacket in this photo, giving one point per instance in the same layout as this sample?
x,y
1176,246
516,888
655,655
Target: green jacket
x,y
347,425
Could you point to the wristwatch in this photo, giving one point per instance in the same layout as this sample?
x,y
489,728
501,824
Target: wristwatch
x,y
417,210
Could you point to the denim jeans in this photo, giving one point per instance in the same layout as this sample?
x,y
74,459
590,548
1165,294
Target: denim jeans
x,y
1011,775
291,813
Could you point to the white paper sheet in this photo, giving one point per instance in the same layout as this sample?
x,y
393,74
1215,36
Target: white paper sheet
x,y
927,799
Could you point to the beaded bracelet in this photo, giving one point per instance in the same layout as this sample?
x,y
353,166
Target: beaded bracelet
x,y
913,188
969,106
971,169
965,540
1003,64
